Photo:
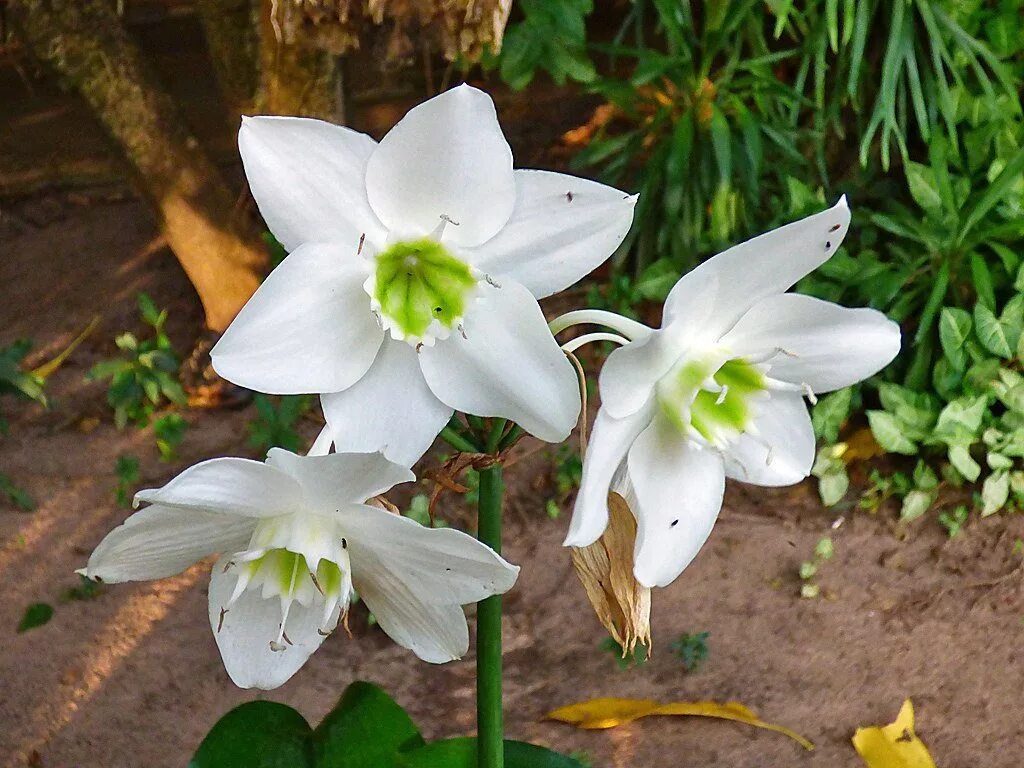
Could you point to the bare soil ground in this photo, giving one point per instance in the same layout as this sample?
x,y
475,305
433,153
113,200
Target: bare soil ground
x,y
132,677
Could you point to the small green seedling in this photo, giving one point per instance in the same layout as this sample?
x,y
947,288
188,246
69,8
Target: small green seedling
x,y
18,496
35,615
823,552
169,430
86,589
275,421
128,473
953,521
692,650
636,658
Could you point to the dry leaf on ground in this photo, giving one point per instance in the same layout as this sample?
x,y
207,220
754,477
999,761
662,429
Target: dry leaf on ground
x,y
894,745
608,713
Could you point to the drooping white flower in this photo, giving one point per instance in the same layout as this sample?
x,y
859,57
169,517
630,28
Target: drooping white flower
x,y
718,391
415,268
296,538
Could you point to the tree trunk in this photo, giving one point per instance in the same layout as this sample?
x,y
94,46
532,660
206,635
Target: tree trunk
x,y
296,78
87,46
233,44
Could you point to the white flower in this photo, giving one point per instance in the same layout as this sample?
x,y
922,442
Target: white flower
x,y
298,537
718,391
415,269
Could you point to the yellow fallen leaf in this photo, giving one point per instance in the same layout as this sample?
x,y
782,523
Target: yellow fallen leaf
x,y
894,745
861,446
608,713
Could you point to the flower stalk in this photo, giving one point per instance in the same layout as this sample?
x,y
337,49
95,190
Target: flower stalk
x,y
490,730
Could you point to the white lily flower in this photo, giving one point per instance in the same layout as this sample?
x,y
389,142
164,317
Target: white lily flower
x,y
718,391
298,538
415,268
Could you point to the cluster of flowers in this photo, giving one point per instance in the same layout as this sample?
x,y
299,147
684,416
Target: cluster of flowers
x,y
411,292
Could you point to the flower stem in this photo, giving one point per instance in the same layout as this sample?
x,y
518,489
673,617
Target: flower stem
x,y
490,737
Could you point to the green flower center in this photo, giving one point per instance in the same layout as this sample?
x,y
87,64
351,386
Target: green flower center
x,y
420,289
712,399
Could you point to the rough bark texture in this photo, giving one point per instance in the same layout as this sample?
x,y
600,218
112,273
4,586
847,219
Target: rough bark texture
x,y
296,78
90,50
234,50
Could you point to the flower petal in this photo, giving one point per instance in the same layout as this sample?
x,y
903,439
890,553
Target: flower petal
x,y
508,365
446,157
160,541
782,452
768,264
678,487
610,439
629,374
308,178
335,479
823,345
307,329
562,228
390,409
245,630
234,486
415,579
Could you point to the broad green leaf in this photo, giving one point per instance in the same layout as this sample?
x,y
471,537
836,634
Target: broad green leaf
x,y
365,730
830,412
916,411
961,419
994,492
259,734
916,503
461,753
923,188
991,332
890,433
954,330
833,485
960,458
998,461
35,615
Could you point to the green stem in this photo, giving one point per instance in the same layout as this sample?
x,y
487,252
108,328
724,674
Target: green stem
x,y
457,441
490,737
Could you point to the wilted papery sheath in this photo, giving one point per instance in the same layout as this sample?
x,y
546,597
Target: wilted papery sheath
x,y
605,567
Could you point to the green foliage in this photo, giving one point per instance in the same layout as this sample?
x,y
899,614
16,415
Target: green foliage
x,y
692,650
86,589
127,470
274,424
568,472
35,615
551,36
635,658
823,552
419,510
953,520
169,430
830,469
15,380
144,377
17,495
366,729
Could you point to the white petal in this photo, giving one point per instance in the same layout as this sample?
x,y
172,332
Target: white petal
x,y
390,409
768,264
235,486
782,452
415,579
823,345
162,541
308,329
629,374
308,178
247,628
610,439
446,157
334,479
678,489
507,365
562,228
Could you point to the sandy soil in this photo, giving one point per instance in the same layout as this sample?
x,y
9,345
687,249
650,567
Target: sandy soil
x,y
132,677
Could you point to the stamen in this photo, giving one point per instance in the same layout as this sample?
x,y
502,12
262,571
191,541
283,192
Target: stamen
x,y
722,395
573,344
809,393
631,329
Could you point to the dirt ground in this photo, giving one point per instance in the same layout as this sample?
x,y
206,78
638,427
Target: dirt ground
x,y
132,677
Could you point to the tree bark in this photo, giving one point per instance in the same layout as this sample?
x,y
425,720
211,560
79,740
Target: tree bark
x,y
87,46
233,44
296,78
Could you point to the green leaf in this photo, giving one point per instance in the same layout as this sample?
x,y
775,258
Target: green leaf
x,y
890,434
461,753
961,419
366,729
982,279
960,458
954,330
721,143
829,414
993,335
923,187
260,734
915,411
916,503
35,615
995,492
